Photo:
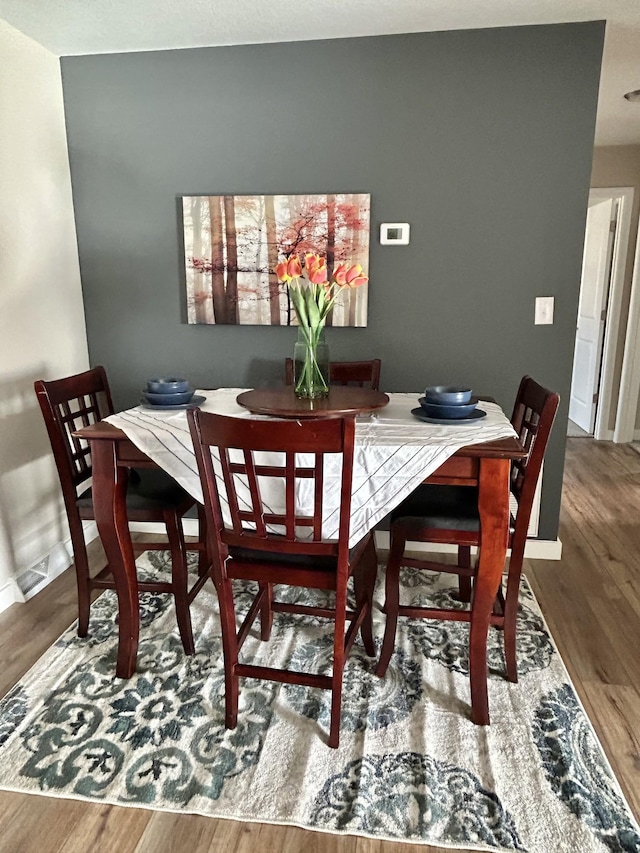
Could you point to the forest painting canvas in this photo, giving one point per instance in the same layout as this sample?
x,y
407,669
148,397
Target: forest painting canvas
x,y
233,244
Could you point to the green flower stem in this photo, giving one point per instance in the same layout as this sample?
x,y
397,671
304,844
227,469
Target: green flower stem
x,y
312,303
309,380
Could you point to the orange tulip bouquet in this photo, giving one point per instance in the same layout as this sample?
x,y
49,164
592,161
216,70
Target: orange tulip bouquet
x,y
312,297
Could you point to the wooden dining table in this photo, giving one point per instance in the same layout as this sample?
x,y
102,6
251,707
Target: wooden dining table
x,y
343,401
486,465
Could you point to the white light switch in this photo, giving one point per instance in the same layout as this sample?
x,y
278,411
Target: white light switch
x,y
544,310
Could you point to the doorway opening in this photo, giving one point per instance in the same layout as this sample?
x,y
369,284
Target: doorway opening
x,y
599,313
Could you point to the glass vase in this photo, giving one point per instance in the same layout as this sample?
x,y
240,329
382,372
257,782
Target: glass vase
x,y
310,364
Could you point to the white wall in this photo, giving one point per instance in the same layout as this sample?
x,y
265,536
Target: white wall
x,y
42,328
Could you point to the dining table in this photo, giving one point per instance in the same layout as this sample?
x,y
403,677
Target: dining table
x,y
394,452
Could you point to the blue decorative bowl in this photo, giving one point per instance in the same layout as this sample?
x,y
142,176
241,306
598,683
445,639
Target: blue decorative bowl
x,y
437,410
176,399
448,395
170,385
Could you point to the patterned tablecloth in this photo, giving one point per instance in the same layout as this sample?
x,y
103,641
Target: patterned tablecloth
x,y
394,452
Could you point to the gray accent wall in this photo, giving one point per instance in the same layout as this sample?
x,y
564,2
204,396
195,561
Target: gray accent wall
x,y
482,140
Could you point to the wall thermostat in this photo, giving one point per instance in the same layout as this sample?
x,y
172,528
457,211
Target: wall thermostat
x,y
394,233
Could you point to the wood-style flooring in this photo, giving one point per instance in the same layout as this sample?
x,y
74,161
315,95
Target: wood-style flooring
x,y
591,601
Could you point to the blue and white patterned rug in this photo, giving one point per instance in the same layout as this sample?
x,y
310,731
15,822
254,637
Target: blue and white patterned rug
x,y
411,766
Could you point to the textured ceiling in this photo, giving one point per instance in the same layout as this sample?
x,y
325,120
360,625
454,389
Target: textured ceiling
x,y
68,27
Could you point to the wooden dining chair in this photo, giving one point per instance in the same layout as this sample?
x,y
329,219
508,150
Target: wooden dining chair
x,y
365,374
449,515
152,495
273,545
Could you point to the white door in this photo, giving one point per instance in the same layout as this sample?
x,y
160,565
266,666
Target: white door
x,y
594,285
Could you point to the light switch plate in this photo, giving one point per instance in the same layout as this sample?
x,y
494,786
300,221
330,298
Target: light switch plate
x,y
544,310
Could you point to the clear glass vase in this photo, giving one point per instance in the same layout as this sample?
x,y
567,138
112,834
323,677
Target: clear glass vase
x,y
310,364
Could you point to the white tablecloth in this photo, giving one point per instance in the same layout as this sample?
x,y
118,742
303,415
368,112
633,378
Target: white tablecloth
x,y
394,452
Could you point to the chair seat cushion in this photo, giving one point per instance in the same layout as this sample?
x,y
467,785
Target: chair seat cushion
x,y
319,562
441,507
299,561
148,489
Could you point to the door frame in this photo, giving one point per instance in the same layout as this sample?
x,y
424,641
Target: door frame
x,y
630,377
624,198
595,284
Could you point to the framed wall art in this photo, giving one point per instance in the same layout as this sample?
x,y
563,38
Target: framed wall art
x,y
233,244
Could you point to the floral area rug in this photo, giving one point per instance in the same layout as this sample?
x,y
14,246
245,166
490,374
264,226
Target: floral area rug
x,y
411,765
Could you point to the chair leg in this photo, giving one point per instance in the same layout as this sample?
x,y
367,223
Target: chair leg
x,y
266,611
203,557
229,651
336,706
464,582
511,614
392,600
338,666
180,580
364,581
82,576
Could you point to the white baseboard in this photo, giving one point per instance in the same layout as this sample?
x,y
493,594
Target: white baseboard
x,y
189,525
60,557
10,594
56,561
536,549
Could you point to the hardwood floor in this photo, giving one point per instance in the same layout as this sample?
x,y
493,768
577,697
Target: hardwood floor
x,y
590,599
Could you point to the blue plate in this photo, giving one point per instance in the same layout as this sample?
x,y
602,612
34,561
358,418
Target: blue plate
x,y
170,399
448,395
193,403
450,410
420,414
168,385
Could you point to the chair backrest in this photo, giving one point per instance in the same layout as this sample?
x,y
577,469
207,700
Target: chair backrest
x,y
365,374
263,473
533,416
67,405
